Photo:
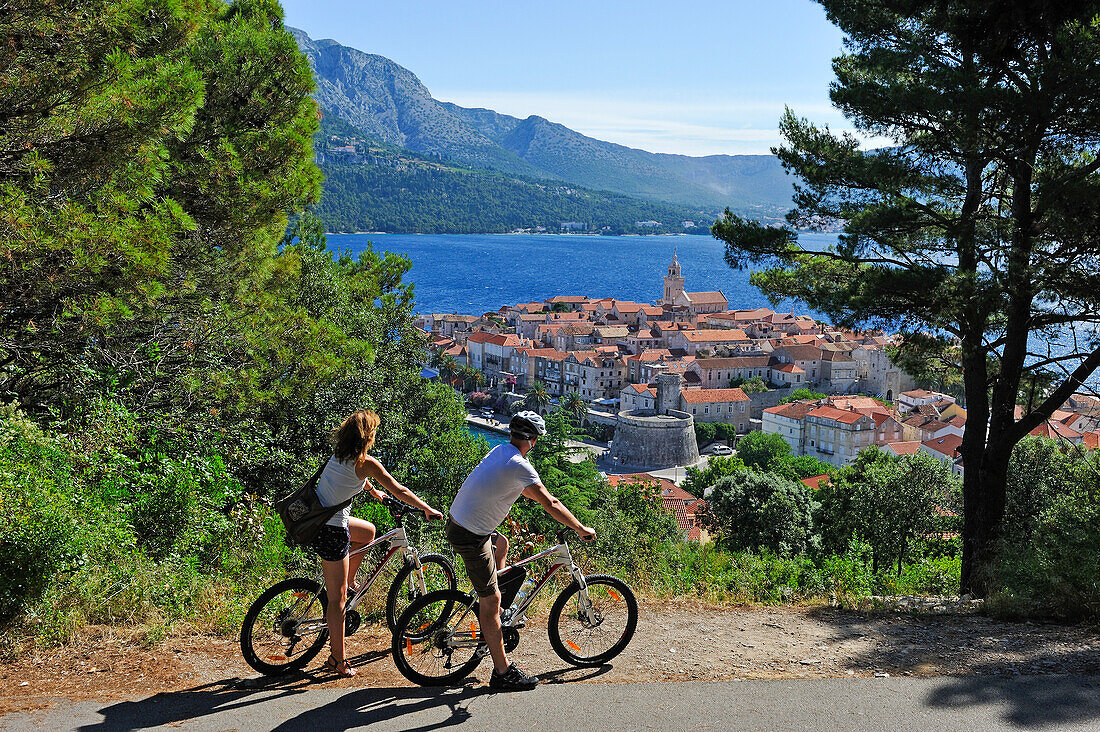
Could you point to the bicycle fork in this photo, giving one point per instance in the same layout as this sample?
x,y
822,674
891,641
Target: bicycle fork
x,y
584,603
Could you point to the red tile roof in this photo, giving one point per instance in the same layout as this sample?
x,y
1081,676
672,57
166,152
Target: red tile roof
x,y
712,396
908,447
837,415
918,393
653,354
480,337
947,445
707,297
816,481
792,410
717,335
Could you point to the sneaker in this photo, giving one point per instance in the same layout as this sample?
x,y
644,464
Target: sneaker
x,y
514,679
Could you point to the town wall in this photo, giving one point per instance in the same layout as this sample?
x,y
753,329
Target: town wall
x,y
761,400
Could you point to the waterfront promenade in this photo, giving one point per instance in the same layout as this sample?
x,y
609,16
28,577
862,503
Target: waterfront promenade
x,y
581,449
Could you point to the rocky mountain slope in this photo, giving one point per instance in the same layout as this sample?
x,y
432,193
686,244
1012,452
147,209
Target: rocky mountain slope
x,y
388,101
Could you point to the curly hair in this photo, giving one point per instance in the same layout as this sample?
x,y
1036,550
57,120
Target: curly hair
x,y
355,435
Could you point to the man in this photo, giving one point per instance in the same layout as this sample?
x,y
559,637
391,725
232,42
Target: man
x,y
479,508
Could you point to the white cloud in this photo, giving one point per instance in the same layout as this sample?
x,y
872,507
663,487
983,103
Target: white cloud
x,y
670,124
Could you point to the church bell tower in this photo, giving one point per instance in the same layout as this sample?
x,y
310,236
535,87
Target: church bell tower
x,y
674,283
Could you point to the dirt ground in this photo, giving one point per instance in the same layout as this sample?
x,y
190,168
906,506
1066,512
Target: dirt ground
x,y
675,641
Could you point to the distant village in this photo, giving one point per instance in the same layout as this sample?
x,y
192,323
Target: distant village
x,y
690,355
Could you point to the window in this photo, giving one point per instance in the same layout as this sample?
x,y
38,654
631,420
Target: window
x,y
706,410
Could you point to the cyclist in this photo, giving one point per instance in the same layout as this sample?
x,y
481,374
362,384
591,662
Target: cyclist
x,y
349,471
482,503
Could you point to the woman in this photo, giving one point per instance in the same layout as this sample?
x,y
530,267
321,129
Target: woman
x,y
349,471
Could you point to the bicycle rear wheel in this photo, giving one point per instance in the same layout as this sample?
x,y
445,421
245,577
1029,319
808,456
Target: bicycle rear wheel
x,y
591,640
285,627
439,574
438,638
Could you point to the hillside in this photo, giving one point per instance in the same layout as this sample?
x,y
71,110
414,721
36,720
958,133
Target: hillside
x,y
389,102
373,186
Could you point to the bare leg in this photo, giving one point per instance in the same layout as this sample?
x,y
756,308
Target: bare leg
x,y
489,615
336,585
362,533
500,550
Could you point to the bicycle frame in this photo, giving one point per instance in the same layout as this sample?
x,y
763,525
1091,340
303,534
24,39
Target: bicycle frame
x,y
562,557
399,542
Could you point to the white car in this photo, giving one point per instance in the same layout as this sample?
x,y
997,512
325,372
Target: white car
x,y
722,450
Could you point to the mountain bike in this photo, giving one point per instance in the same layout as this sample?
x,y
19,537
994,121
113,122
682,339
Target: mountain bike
x,y
437,640
285,627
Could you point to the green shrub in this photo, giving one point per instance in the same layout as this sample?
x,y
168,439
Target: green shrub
x,y
753,510
38,533
1050,556
763,451
705,432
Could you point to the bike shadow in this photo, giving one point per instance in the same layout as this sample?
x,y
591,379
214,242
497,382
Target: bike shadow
x,y
573,674
218,701
355,708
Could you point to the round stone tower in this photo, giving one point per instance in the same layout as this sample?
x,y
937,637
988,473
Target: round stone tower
x,y
662,438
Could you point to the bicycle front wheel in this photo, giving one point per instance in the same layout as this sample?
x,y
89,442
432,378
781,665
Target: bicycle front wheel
x,y
438,638
592,638
285,627
437,573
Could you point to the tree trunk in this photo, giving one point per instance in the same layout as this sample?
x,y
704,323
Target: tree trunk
x,y
983,513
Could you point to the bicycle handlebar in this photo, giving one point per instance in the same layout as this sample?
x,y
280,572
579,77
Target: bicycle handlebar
x,y
563,532
397,508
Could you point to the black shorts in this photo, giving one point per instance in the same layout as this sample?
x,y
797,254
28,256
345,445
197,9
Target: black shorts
x,y
332,543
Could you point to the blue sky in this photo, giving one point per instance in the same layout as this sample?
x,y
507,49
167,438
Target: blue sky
x,y
695,77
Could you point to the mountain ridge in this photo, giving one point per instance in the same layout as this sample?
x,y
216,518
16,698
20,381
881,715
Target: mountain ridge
x,y
384,99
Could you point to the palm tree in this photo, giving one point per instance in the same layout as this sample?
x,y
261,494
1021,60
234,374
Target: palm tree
x,y
574,406
469,377
448,367
538,398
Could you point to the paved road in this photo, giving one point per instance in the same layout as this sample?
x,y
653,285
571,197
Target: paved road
x,y
976,702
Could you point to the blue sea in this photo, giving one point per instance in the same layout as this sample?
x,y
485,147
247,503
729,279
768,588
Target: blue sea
x,y
473,274
493,438
477,273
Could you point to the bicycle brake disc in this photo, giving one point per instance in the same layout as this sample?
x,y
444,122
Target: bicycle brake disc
x,y
352,621
511,639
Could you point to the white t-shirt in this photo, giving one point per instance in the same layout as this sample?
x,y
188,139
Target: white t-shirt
x,y
486,497
338,483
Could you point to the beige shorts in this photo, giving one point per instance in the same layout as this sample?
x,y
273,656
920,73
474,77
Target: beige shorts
x,y
477,554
